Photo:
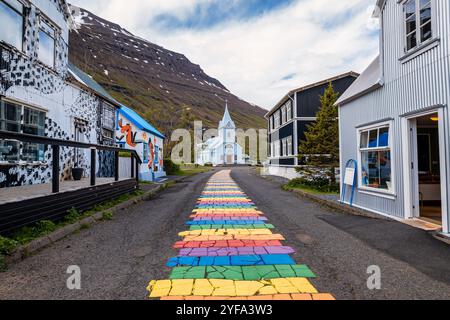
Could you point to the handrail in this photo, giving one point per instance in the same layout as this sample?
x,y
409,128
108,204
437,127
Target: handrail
x,y
8,135
57,143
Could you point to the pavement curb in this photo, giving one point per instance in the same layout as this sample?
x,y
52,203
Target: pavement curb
x,y
25,251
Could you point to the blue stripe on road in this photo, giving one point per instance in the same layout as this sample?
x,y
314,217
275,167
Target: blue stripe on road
x,y
251,260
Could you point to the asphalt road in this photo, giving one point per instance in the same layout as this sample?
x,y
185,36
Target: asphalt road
x,y
117,258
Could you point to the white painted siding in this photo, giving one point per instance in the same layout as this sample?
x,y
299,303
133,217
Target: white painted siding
x,y
417,84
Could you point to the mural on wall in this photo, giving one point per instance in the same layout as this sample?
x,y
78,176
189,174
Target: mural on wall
x,y
127,133
23,77
154,160
17,70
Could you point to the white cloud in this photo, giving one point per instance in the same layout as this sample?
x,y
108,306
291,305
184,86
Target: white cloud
x,y
252,57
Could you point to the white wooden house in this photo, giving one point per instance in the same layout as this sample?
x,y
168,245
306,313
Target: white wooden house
x,y
394,119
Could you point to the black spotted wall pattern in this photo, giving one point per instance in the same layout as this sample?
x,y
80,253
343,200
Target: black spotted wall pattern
x,y
24,70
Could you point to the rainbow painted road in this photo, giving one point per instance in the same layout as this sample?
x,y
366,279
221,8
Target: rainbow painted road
x,y
231,253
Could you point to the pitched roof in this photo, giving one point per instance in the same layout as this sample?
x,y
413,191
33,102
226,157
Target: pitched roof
x,y
310,86
368,81
140,122
89,82
226,118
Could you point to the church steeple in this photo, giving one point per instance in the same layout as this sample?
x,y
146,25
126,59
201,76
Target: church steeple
x,y
227,122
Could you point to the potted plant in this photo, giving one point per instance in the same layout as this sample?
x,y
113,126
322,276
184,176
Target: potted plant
x,y
77,171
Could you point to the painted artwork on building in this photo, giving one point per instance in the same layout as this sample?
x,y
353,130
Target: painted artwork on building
x,y
134,133
42,94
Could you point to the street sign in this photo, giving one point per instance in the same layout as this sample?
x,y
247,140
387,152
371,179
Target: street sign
x,y
350,176
350,179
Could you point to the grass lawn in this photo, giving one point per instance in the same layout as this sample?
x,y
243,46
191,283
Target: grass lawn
x,y
310,190
191,169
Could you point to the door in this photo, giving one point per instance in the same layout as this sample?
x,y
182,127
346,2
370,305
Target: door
x,y
425,185
230,154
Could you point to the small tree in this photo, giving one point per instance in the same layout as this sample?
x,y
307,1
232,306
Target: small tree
x,y
321,146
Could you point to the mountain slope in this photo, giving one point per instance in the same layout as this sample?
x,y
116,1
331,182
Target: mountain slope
x,y
164,86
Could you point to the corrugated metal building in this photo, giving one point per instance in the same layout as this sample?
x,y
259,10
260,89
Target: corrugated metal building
x,y
394,120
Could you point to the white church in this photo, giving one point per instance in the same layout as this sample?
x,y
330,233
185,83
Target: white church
x,y
224,149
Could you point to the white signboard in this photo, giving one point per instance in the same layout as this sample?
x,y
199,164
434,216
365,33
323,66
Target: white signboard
x,y
349,176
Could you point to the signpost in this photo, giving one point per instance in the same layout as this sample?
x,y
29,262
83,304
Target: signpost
x,y
350,180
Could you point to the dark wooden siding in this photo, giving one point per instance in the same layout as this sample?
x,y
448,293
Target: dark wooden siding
x,y
54,207
308,101
302,127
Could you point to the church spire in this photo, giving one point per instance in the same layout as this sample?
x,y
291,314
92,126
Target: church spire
x,y
226,120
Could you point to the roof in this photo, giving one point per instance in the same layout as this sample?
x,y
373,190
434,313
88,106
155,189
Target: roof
x,y
226,118
368,81
140,122
89,82
310,86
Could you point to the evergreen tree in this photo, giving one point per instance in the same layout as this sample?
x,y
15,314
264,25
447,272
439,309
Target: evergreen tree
x,y
321,146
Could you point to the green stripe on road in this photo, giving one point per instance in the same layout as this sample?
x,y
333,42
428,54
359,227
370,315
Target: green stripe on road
x,y
243,273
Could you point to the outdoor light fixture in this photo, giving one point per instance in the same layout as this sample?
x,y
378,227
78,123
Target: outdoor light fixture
x,y
435,119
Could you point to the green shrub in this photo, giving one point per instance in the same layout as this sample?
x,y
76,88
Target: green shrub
x,y
318,183
171,168
44,227
107,215
208,165
72,216
123,154
7,246
28,234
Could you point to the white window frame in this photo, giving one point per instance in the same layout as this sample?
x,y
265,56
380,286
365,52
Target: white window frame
x,y
7,3
289,145
283,114
370,190
289,111
419,43
277,119
21,123
284,147
49,23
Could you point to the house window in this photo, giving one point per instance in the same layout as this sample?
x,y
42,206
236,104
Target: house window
x,y
283,115
285,150
11,16
46,51
33,123
108,116
289,146
146,153
277,148
418,22
277,119
375,158
289,111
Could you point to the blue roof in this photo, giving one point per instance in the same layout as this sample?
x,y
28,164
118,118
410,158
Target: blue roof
x,y
139,121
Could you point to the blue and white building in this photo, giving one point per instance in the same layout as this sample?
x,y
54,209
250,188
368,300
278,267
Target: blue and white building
x,y
135,133
223,149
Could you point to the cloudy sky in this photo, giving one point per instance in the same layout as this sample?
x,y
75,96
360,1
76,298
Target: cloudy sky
x,y
259,49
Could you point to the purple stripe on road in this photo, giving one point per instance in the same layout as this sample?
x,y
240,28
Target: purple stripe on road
x,y
240,251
